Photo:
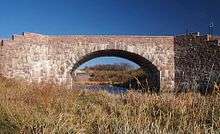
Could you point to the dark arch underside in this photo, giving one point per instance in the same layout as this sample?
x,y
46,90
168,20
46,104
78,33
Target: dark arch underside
x,y
153,74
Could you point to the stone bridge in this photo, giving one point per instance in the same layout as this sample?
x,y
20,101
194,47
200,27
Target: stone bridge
x,y
171,61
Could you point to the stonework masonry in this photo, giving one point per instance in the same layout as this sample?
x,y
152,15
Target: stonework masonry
x,y
41,58
197,61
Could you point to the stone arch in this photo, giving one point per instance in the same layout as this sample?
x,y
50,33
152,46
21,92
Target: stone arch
x,y
151,69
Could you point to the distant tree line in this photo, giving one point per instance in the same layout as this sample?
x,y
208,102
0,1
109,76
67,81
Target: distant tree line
x,y
111,67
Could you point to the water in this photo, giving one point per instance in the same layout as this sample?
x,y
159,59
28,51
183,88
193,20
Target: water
x,y
108,88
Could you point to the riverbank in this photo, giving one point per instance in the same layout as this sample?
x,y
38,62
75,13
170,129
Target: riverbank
x,y
111,76
51,109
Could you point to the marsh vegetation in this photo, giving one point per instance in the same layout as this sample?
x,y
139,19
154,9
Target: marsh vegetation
x,y
48,108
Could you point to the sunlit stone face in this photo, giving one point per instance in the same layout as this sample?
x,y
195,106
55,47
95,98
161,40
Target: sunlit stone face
x,y
52,58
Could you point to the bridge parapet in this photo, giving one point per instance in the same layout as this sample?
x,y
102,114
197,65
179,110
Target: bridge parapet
x,y
25,37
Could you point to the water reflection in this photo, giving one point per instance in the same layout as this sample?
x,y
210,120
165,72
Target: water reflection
x,y
106,87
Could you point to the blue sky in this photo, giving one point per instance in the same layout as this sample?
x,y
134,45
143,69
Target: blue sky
x,y
156,17
108,60
118,17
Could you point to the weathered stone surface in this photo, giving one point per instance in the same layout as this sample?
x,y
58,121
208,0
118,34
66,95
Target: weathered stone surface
x,y
36,57
197,61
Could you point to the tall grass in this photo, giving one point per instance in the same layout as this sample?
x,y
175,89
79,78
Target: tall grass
x,y
50,109
121,76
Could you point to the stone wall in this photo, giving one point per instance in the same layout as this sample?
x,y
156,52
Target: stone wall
x,y
197,61
35,57
184,60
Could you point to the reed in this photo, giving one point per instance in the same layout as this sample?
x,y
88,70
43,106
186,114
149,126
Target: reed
x,y
31,109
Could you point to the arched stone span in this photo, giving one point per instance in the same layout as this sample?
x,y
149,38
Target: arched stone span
x,y
152,72
36,57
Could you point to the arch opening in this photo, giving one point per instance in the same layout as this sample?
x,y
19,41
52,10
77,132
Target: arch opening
x,y
149,81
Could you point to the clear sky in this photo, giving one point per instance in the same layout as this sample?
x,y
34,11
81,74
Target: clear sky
x,y
118,17
108,60
156,17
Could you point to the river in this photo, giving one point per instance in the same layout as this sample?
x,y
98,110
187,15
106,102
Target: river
x,y
106,87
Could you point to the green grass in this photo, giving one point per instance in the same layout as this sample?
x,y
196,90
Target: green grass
x,y
51,109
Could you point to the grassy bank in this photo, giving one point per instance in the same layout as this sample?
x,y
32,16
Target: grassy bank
x,y
50,109
115,76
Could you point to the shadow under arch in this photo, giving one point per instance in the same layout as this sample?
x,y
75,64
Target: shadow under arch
x,y
153,74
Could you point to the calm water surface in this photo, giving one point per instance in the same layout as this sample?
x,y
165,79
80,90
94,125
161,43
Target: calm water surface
x,y
108,88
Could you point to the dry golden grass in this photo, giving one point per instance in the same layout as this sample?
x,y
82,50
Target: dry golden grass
x,y
115,76
50,109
